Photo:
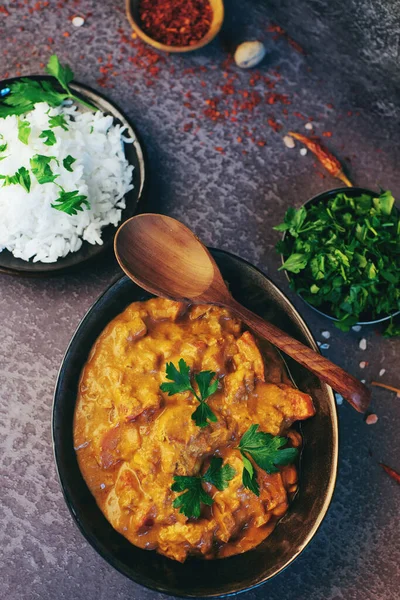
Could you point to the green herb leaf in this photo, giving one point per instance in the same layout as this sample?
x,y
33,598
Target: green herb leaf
x,y
219,475
392,330
68,161
181,383
49,137
295,263
249,476
266,451
58,121
190,502
24,131
3,147
41,169
70,202
21,177
64,75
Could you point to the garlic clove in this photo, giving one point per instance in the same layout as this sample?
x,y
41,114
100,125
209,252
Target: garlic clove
x,y
249,54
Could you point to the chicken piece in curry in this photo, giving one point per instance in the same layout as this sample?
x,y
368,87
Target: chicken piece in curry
x,y
132,439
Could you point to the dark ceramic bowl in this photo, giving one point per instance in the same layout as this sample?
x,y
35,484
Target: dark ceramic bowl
x,y
366,318
318,466
134,155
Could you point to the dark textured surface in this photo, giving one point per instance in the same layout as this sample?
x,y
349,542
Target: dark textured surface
x,y
231,200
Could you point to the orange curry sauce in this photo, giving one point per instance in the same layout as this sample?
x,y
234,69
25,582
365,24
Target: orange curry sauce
x,y
131,438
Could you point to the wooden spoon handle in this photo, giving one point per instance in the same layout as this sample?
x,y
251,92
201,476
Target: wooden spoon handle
x,y
348,386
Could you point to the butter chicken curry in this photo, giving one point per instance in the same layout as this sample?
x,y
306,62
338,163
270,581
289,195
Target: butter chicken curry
x,y
183,430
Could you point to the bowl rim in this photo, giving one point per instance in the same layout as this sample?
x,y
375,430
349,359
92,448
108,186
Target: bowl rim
x,y
88,535
110,107
312,200
213,31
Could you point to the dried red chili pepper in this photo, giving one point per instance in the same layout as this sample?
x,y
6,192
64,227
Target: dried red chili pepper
x,y
175,22
330,162
391,472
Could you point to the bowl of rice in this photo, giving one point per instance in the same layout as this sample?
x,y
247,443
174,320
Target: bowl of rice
x,y
68,177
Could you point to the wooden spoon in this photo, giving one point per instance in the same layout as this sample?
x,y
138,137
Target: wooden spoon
x,y
165,258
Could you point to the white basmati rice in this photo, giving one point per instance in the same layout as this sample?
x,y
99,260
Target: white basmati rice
x,y
29,226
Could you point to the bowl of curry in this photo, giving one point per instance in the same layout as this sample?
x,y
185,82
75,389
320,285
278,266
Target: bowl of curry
x,y
181,439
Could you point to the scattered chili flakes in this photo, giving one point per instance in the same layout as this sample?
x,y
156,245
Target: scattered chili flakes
x,y
4,11
187,127
327,134
239,139
66,34
280,32
274,124
220,149
391,472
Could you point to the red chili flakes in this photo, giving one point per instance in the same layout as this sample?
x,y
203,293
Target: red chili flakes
x,y
177,23
299,116
327,134
280,32
261,143
274,124
4,11
330,106
273,98
50,40
66,34
349,113
187,127
220,149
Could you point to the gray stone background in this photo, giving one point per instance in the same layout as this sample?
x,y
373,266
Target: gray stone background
x,y
231,200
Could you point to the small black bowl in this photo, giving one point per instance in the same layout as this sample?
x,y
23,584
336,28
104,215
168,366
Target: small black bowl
x,y
11,265
366,318
318,466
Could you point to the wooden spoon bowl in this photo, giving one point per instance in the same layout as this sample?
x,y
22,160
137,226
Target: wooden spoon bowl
x,y
217,6
165,258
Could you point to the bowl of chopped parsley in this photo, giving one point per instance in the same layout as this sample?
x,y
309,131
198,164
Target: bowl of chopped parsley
x,y
341,254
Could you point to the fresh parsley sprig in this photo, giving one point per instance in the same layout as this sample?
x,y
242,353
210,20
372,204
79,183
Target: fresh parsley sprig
x,y
266,451
24,131
58,121
70,202
25,93
190,502
48,136
181,383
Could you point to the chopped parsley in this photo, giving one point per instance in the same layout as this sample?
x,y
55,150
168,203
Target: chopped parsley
x,y
58,121
181,383
194,495
343,256
24,131
21,177
41,169
68,161
70,202
49,137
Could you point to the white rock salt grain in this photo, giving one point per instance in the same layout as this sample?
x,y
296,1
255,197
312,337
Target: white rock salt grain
x,y
363,381
78,21
326,334
363,344
288,141
308,126
303,151
102,485
382,372
363,364
356,328
324,346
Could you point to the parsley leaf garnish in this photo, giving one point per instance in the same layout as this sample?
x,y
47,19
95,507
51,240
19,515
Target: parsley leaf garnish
x,y
68,161
266,451
181,383
25,93
41,169
343,256
21,177
49,137
190,502
70,202
24,131
58,121
3,147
